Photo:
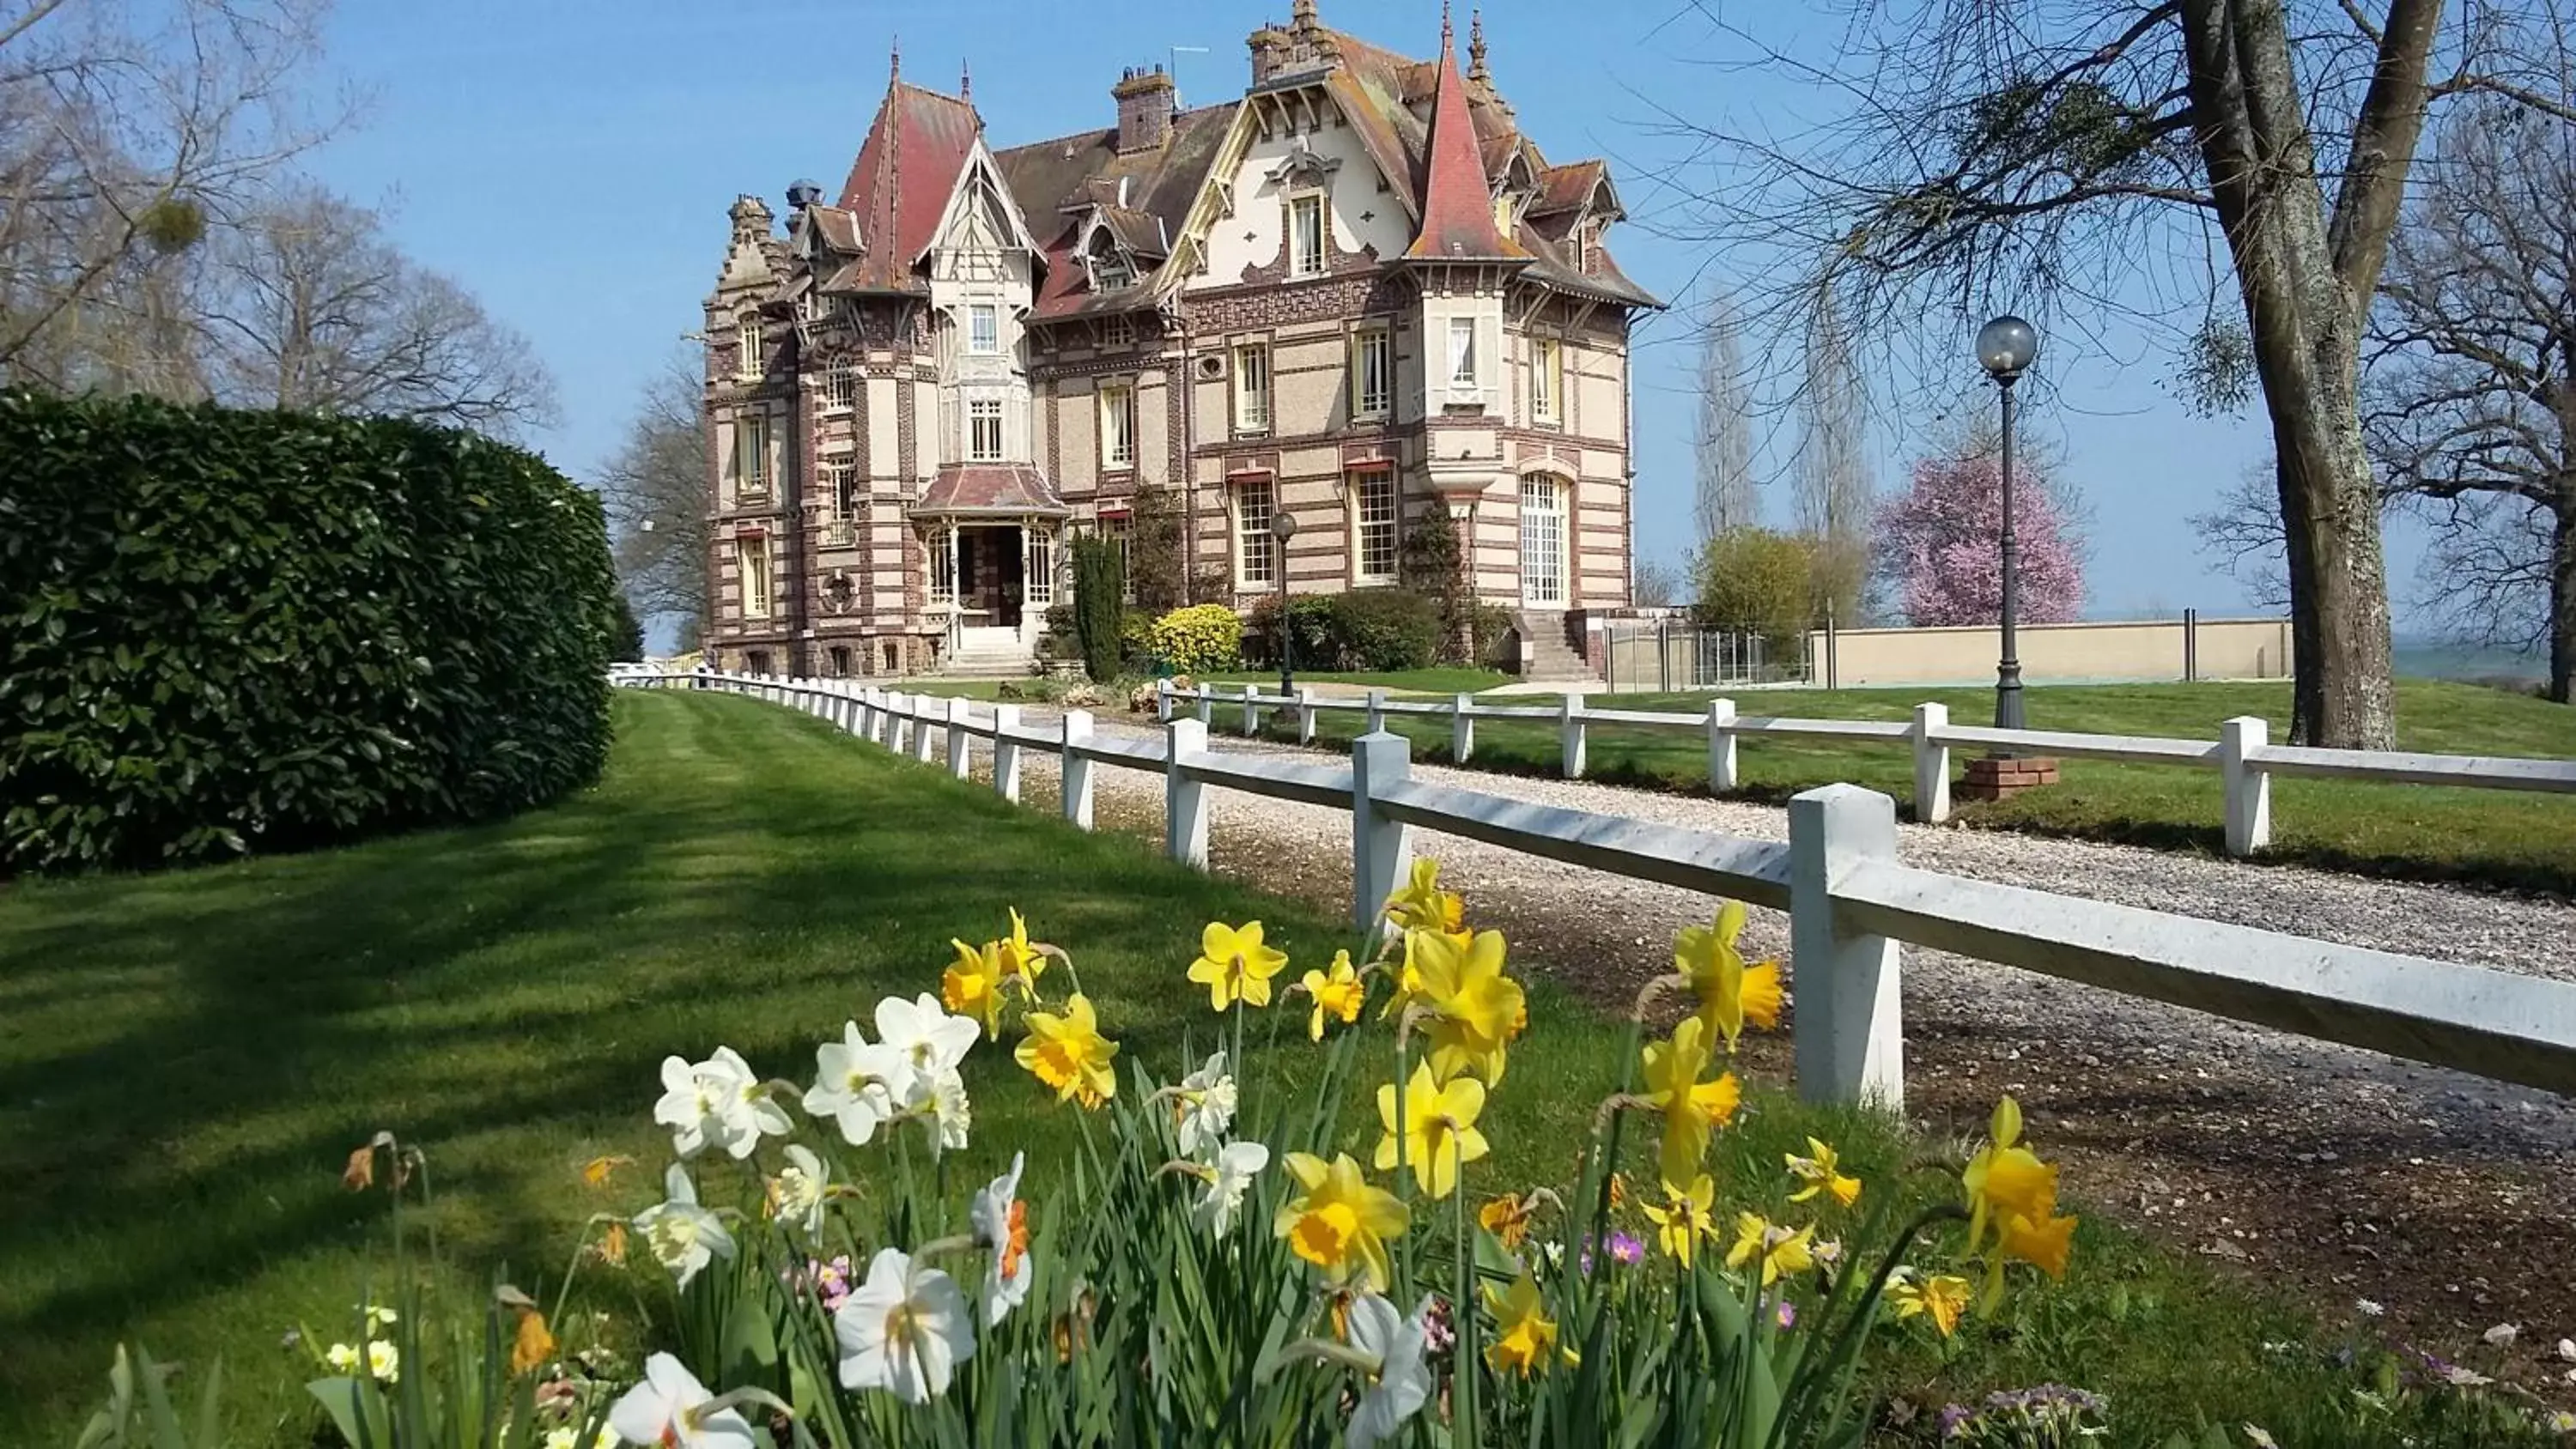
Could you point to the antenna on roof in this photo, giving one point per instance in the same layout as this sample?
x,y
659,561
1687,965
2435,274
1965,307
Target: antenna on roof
x,y
1176,52
894,66
965,81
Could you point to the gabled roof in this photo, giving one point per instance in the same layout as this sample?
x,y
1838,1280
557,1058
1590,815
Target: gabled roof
x,y
1568,187
1068,177
1457,199
906,171
839,229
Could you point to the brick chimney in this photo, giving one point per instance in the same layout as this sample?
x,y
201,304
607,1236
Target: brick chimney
x,y
1144,109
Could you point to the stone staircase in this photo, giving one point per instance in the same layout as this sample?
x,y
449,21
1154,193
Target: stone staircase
x,y
1549,659
990,661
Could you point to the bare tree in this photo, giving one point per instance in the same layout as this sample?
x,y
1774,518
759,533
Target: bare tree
x,y
656,490
1723,447
307,304
1835,494
2472,397
127,130
1657,585
2086,155
2243,533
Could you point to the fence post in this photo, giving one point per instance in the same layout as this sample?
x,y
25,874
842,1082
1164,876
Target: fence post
x,y
1162,701
1206,696
921,731
960,755
1721,746
1305,714
1569,728
1849,1032
1185,802
898,725
864,723
1076,772
1376,712
1381,850
1251,712
1006,752
1931,765
2248,787
1462,729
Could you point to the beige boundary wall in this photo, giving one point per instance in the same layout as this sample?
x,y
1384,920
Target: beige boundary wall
x,y
2058,653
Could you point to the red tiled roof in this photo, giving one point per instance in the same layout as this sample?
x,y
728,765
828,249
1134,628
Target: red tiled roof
x,y
901,182
1563,188
1457,206
995,488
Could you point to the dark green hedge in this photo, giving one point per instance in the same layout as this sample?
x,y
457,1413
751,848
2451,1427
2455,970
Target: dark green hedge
x,y
227,631
1364,629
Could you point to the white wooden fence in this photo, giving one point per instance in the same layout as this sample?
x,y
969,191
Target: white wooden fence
x,y
2245,759
1850,902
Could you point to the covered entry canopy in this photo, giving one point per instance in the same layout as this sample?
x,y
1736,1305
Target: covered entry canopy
x,y
990,490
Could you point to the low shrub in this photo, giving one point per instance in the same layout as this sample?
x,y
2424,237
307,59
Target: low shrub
x,y
232,631
1199,638
1384,630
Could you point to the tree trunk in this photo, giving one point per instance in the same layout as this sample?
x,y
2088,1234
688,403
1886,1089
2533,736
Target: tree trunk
x,y
2562,596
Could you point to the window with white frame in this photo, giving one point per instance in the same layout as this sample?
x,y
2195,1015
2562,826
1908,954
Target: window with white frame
x,y
751,561
1252,387
1256,553
747,361
1463,372
1117,425
1306,235
1372,372
1039,577
1546,380
942,544
841,485
1373,525
984,430
1118,330
751,455
841,389
983,327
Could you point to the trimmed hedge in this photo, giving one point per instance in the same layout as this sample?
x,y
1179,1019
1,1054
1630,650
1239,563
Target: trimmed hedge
x,y
224,631
1369,630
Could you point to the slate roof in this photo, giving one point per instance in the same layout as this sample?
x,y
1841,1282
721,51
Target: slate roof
x,y
1016,489
901,182
1457,198
1059,182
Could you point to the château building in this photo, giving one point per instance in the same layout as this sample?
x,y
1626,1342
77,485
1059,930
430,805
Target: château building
x,y
1356,293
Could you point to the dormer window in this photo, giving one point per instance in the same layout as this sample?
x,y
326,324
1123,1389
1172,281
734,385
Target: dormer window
x,y
1108,262
1306,235
983,328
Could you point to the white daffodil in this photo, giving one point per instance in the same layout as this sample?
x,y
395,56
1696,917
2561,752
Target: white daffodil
x,y
683,1236
384,1361
719,1103
1206,1109
797,1199
924,1035
905,1329
379,1316
1002,1224
671,1408
1403,1379
937,1099
856,1085
343,1357
1237,1164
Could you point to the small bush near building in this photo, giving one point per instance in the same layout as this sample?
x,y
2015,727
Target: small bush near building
x,y
1365,630
1199,638
244,631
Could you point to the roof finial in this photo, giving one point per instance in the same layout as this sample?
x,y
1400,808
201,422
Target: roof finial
x,y
1444,27
894,65
1476,45
965,80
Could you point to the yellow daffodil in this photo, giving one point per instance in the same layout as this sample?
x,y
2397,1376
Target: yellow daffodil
x,y
1069,1054
1475,1009
2005,1179
1019,961
1337,993
1777,1249
1421,905
597,1171
1233,965
1508,1218
1821,1171
972,985
1943,1299
1730,992
532,1347
2043,1242
1692,1108
1340,1224
1523,1335
1684,1218
1439,1129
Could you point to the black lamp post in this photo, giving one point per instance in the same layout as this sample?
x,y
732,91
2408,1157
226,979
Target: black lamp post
x,y
1284,528
2005,348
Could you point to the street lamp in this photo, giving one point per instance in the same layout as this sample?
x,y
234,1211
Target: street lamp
x,y
2005,348
1283,528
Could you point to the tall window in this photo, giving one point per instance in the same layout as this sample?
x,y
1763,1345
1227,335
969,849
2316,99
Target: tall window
x,y
1547,380
841,485
751,558
841,389
1117,425
1039,578
983,327
1373,524
1372,372
1256,553
984,430
1306,236
943,565
1252,387
747,361
1543,534
751,455
1462,352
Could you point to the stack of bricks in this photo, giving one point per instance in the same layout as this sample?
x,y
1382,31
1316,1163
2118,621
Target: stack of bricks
x,y
2001,778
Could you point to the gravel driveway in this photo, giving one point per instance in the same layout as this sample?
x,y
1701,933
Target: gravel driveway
x,y
2346,1173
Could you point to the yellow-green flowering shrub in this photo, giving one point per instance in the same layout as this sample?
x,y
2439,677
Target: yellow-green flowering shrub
x,y
1199,638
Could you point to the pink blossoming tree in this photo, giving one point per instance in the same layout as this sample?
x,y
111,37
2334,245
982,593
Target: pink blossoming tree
x,y
1941,546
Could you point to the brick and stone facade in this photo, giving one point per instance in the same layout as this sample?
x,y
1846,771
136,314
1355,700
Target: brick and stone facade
x,y
1355,294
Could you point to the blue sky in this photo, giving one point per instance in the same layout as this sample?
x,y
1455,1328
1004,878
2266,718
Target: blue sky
x,y
571,161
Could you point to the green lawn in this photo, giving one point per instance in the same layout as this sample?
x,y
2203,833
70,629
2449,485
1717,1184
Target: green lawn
x,y
1446,680
186,1059
2499,837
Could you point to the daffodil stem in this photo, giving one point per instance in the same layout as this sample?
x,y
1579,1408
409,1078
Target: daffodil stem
x,y
1403,1152
1465,1428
